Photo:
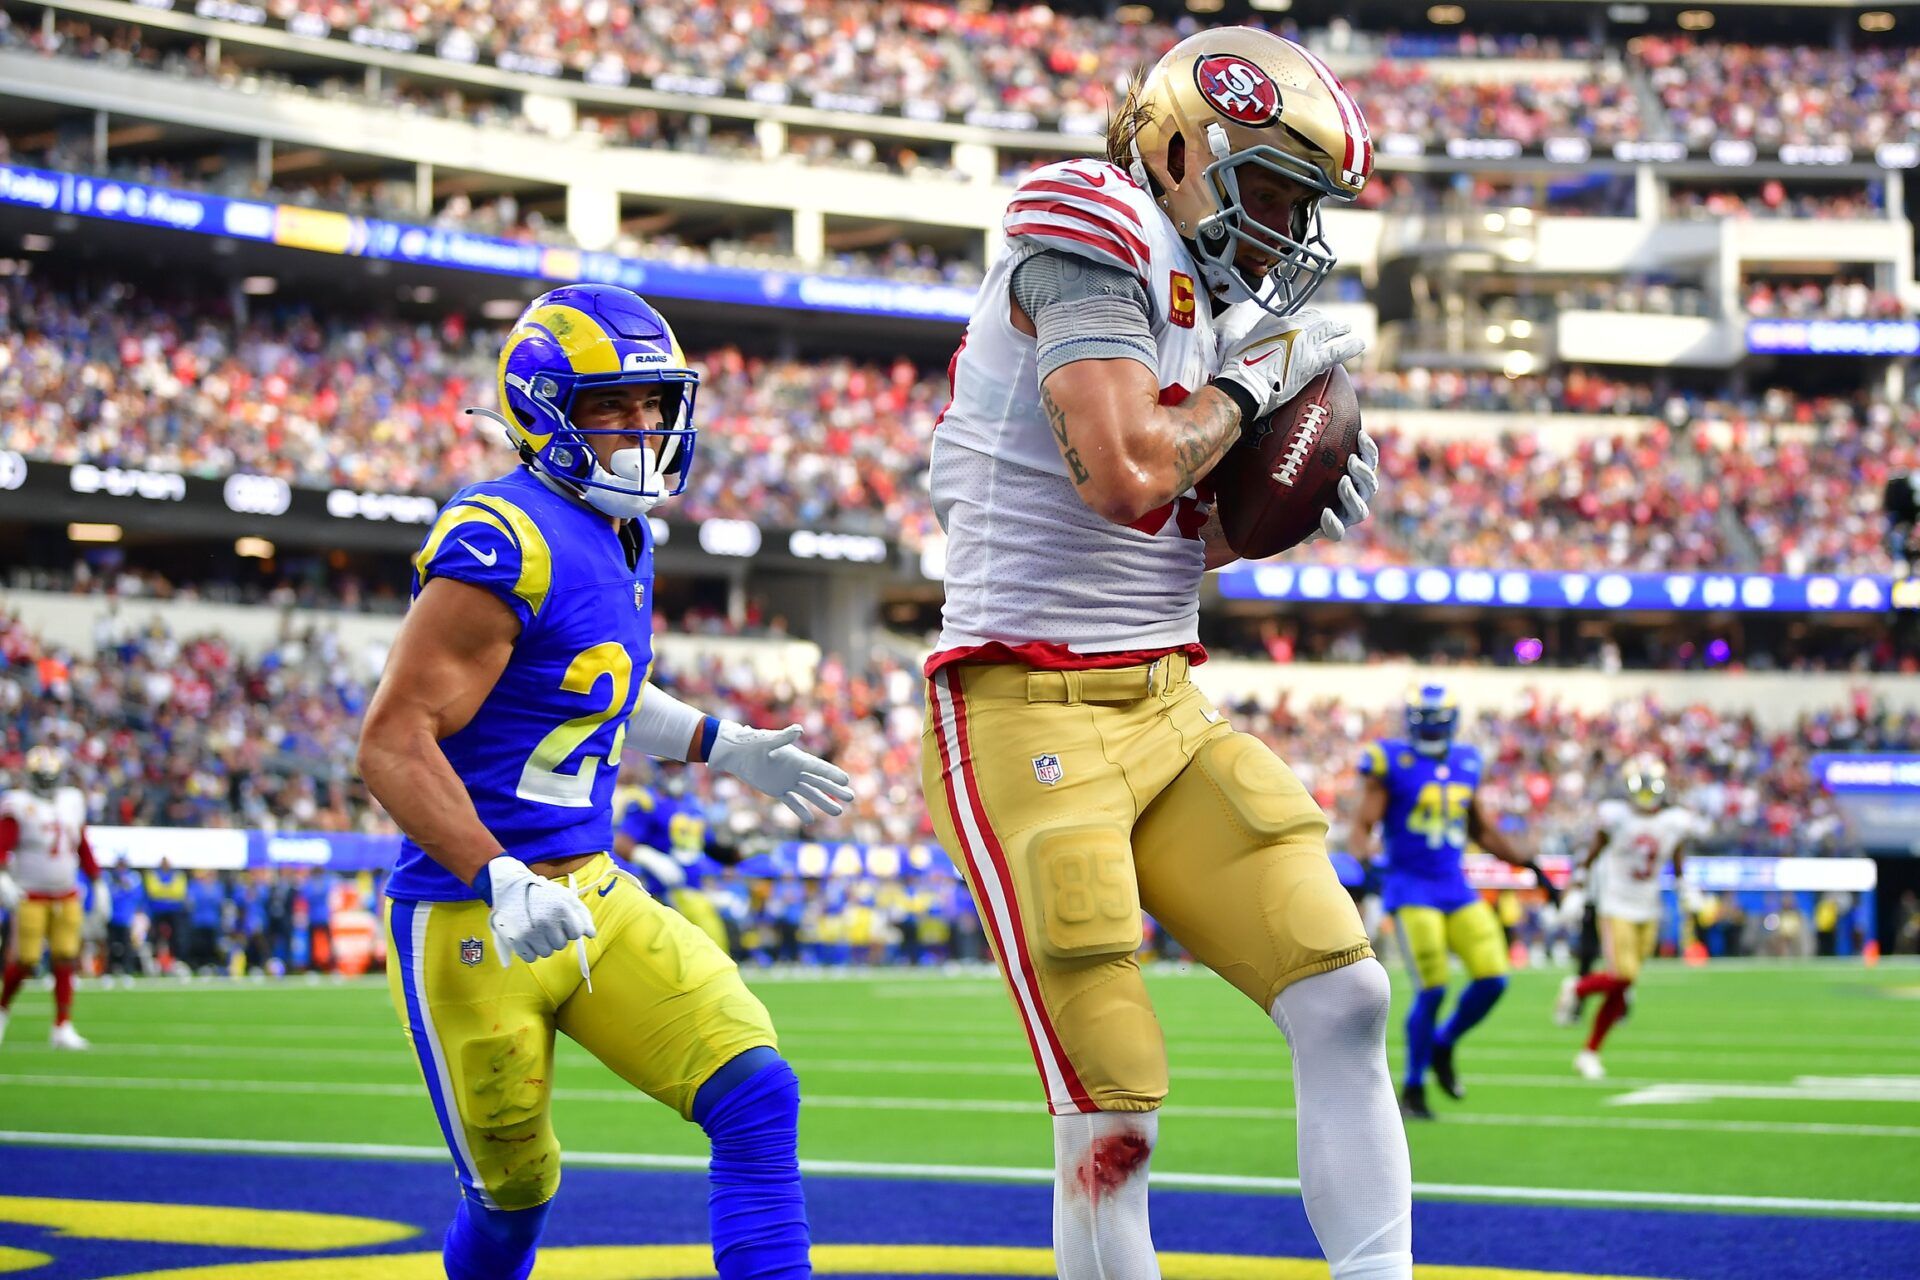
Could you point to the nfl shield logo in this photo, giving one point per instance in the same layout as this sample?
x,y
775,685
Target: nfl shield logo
x,y
1046,769
471,950
640,595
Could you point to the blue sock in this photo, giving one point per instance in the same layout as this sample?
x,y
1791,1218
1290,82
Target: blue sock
x,y
492,1244
750,1109
1420,1020
1475,1003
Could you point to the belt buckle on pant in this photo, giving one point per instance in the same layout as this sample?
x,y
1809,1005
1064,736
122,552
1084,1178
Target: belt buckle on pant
x,y
1153,672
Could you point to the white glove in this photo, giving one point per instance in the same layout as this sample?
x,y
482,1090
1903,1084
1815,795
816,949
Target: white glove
x,y
767,761
532,916
101,906
1357,488
9,891
1273,357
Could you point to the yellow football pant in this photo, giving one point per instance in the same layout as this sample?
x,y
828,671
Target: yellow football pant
x,y
1075,800
666,1011
1471,932
1626,944
47,924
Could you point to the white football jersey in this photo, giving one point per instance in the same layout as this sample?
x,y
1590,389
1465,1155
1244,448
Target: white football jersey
x,y
1029,565
46,860
1639,846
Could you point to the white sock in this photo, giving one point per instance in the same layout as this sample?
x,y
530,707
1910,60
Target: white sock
x,y
1100,1228
1354,1174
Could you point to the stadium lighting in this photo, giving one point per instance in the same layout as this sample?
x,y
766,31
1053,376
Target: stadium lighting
x,y
1521,329
1694,19
259,286
84,532
1206,6
1496,334
1494,222
34,243
1271,6
1876,20
1518,364
502,308
1133,15
1446,15
253,548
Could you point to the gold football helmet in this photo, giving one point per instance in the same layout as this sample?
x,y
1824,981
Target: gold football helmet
x,y
45,767
1226,99
1646,781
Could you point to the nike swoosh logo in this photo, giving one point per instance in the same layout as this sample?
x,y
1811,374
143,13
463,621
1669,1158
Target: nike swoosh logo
x,y
1095,179
1284,340
488,558
607,888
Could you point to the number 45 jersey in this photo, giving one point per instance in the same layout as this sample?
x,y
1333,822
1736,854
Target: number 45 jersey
x,y
1425,828
540,756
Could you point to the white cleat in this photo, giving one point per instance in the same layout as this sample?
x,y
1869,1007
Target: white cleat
x,y
1566,1009
65,1037
1587,1063
3,1024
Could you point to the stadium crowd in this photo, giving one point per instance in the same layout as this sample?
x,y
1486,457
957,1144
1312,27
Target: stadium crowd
x,y
112,374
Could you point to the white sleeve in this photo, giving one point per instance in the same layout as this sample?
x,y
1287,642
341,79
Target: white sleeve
x,y
662,725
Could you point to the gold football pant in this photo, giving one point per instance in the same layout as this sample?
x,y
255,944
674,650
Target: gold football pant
x,y
666,1011
1075,800
51,924
1626,944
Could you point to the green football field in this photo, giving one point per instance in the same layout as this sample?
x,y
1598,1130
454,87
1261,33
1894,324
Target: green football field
x,y
1736,1083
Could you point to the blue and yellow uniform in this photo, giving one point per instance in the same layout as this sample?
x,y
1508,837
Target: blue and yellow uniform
x,y
1429,797
666,1008
677,827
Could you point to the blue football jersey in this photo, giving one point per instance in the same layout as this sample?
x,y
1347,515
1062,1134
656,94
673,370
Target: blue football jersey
x,y
1425,828
540,756
675,826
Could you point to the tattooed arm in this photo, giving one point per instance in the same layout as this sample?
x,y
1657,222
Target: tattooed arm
x,y
1127,452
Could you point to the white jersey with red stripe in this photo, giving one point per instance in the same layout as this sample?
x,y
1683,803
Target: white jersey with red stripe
x,y
1032,571
46,854
1639,845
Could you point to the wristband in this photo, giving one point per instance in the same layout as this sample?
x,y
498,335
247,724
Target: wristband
x,y
709,734
1241,397
483,883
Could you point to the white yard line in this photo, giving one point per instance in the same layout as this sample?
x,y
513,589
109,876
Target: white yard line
x,y
934,1106
990,1173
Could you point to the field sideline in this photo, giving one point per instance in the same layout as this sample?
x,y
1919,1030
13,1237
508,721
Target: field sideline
x,y
1771,1089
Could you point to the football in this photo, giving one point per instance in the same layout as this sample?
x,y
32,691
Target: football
x,y
1271,487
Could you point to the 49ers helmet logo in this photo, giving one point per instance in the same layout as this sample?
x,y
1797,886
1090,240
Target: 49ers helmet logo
x,y
1238,89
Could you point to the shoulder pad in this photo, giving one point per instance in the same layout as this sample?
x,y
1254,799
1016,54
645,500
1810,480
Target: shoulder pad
x,y
1086,208
490,542
1373,761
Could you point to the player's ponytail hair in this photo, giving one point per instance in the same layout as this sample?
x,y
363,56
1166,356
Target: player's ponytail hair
x,y
1124,125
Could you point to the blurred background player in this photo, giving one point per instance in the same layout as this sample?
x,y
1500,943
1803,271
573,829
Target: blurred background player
x,y
665,834
494,740
1068,761
44,855
1424,788
1638,838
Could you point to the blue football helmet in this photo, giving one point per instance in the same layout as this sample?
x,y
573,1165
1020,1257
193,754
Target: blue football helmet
x,y
1432,715
586,336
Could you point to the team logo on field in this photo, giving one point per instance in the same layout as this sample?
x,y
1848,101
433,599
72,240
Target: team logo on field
x,y
471,951
1238,89
1180,299
1046,769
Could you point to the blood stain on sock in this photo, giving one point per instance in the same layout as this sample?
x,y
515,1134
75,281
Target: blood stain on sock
x,y
1111,1163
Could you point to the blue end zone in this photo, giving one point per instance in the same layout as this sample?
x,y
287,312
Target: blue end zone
x,y
606,1206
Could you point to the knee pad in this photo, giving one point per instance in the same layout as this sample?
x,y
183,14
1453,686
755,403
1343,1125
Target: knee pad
x,y
750,1109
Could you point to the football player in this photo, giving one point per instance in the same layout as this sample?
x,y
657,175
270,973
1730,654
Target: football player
x,y
494,740
1068,761
43,840
667,838
1424,790
1636,839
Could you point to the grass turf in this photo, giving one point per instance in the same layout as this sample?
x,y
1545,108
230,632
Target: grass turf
x,y
924,1069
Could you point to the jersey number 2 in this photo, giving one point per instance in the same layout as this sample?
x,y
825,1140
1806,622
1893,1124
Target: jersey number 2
x,y
541,779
